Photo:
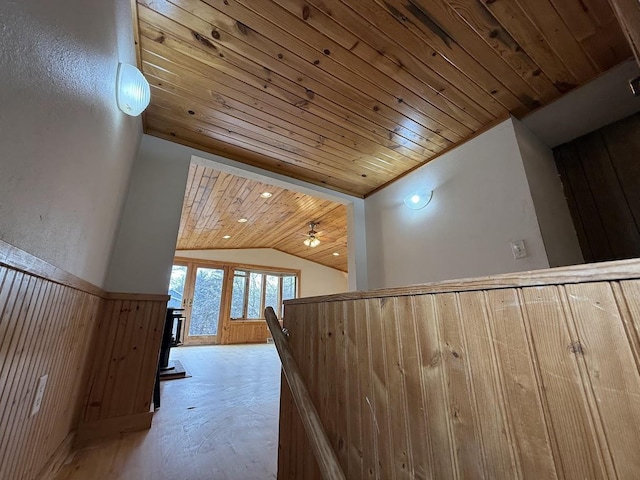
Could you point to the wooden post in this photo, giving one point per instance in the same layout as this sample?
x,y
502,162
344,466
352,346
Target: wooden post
x,y
322,449
628,13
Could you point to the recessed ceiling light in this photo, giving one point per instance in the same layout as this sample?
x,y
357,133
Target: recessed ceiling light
x,y
226,237
336,254
266,195
242,220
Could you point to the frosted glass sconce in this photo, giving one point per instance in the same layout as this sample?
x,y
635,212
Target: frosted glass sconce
x,y
418,200
132,90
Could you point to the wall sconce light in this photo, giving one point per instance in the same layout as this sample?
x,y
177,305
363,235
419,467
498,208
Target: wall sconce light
x,y
418,200
132,90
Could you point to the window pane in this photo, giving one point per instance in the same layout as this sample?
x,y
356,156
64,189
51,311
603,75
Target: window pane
x,y
271,292
288,290
288,287
255,295
176,286
206,301
237,296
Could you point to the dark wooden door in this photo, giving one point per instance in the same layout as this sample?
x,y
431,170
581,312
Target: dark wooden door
x,y
601,177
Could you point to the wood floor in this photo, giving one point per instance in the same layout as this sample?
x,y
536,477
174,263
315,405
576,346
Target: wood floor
x,y
220,424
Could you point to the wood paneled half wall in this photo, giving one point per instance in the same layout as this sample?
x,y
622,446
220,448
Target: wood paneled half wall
x,y
53,324
123,373
520,376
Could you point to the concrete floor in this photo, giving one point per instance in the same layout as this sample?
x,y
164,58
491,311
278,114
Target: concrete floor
x,y
222,423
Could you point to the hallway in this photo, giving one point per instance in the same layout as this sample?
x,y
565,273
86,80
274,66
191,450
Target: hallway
x,y
222,423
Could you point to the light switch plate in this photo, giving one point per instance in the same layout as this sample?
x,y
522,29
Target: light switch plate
x,y
519,250
37,399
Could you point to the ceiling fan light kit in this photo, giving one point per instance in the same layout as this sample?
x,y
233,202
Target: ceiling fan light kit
x,y
311,240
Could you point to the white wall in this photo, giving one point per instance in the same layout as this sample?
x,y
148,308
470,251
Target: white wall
x,y
558,232
600,102
481,202
146,242
315,279
65,149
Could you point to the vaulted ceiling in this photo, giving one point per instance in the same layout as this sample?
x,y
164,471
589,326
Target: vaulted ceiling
x,y
215,204
351,94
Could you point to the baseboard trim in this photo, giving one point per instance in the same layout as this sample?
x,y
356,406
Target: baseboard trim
x,y
110,427
58,459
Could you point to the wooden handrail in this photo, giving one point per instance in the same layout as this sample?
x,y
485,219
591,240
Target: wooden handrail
x,y
325,456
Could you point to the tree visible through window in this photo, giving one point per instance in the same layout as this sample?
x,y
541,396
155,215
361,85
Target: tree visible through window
x,y
207,296
176,285
254,291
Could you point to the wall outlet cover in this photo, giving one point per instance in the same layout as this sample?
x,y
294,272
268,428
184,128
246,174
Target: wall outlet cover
x,y
37,399
519,250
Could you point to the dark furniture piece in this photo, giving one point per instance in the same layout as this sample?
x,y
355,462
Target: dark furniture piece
x,y
171,337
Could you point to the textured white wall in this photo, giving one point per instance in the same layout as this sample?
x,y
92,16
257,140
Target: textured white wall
x,y
604,100
65,149
481,202
558,233
146,242
315,279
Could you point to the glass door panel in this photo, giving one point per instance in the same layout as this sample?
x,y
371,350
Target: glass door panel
x,y
177,285
254,304
207,297
288,290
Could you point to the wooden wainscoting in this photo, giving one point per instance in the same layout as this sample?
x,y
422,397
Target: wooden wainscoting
x,y
122,376
245,331
46,328
53,323
531,376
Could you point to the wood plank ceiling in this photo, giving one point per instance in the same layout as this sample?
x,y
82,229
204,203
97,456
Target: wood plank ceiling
x,y
215,201
353,93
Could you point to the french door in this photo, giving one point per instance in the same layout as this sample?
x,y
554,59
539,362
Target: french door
x,y
199,290
225,302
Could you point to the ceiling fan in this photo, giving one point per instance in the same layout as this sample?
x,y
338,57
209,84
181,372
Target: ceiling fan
x,y
312,239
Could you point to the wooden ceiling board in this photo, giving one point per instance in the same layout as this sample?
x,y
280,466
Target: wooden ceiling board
x,y
328,114
385,51
432,40
256,100
214,202
302,95
307,152
351,94
330,61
